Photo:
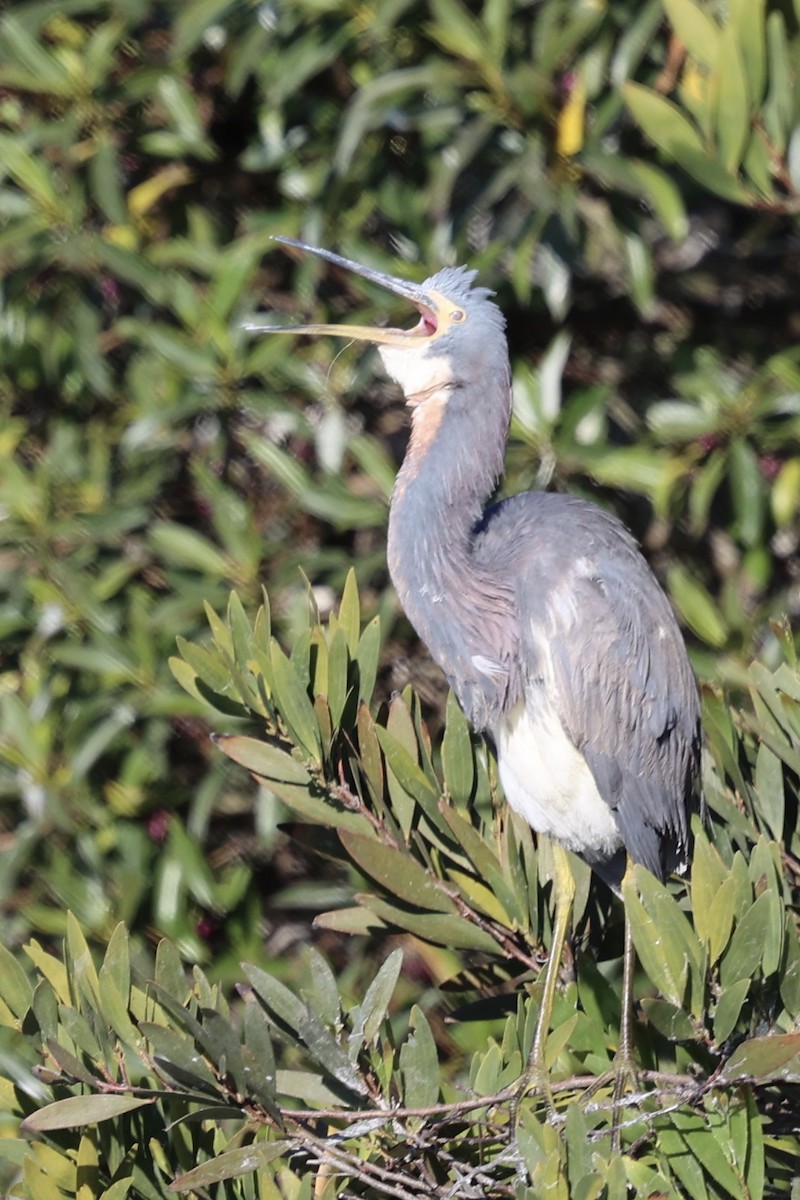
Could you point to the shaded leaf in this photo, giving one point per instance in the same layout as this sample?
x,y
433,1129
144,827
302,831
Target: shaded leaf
x,y
81,1110
441,928
243,1161
292,700
727,1009
419,1063
764,1058
15,987
367,1017
397,871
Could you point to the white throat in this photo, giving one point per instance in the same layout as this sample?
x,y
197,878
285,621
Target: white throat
x,y
418,372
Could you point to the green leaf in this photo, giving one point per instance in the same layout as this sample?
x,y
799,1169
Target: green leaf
x,y
298,1021
785,493
286,1009
15,987
338,659
727,1009
662,121
778,109
669,129
705,1136
368,655
83,973
665,942
245,1160
114,1007
169,972
698,32
419,1063
668,1019
180,546
406,771
696,607
350,613
241,633
440,928
720,919
644,181
258,1058
486,864
704,489
53,970
263,759
750,937
396,871
790,974
45,1009
292,700
321,991
178,1057
748,492
708,875
457,755
732,101
764,1058
206,665
369,750
479,896
368,1016
309,1087
29,66
76,1111
747,22
349,920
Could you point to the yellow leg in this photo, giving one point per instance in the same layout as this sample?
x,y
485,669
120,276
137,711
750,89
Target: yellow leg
x,y
536,1074
563,896
623,1071
624,1060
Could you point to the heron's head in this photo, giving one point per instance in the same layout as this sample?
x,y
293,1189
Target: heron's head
x,y
458,337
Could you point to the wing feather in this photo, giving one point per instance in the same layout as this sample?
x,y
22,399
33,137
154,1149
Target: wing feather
x,y
599,639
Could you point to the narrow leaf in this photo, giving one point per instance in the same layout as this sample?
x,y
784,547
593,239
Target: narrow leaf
x,y
368,1016
15,987
263,759
762,1058
397,871
81,1110
243,1161
419,1063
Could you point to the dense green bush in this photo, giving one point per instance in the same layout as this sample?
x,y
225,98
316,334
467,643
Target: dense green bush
x,y
626,176
356,1089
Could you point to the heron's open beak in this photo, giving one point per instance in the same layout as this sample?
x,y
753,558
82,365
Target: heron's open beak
x,y
437,313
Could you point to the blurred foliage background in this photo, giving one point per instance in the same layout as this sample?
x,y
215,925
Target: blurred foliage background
x,y
625,175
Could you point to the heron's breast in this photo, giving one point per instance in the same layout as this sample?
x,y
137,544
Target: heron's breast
x,y
547,780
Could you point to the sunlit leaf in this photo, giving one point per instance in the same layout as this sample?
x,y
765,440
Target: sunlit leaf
x,y
696,29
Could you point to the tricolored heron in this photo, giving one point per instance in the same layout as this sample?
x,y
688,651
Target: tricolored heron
x,y
540,610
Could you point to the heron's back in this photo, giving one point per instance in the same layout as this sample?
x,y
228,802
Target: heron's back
x,y
600,746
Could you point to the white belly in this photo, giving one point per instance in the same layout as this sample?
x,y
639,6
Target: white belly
x,y
547,781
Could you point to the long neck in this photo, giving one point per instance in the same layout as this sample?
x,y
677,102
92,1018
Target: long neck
x,y
462,613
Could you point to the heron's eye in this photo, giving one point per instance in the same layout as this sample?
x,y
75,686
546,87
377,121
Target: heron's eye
x,y
457,315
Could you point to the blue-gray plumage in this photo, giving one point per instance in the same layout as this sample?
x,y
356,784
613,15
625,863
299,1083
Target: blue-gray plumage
x,y
541,611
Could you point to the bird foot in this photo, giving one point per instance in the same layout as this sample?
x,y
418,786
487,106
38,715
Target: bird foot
x,y
624,1075
535,1080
